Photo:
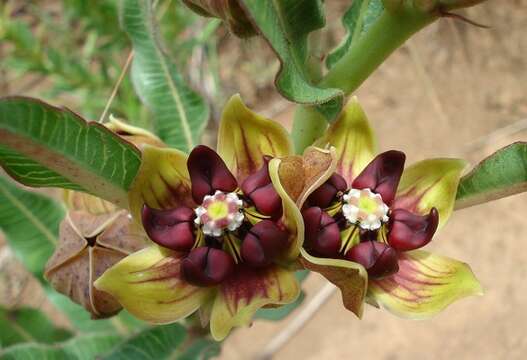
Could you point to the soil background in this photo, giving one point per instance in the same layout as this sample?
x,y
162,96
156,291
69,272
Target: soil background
x,y
454,90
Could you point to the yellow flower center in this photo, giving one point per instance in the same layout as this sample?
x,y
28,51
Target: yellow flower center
x,y
219,212
365,208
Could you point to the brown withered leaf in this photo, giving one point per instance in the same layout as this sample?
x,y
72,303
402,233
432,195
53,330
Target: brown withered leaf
x,y
88,245
229,11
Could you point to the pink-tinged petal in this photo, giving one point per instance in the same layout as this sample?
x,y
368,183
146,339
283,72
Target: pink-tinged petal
x,y
246,291
263,244
148,284
424,286
245,137
162,182
173,228
208,173
354,140
280,171
428,184
351,278
379,259
322,233
319,165
206,266
409,231
382,175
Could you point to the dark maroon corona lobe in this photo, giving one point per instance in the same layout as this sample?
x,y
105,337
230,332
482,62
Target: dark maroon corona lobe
x,y
206,266
379,259
208,173
260,190
327,192
322,233
408,231
173,229
263,243
382,175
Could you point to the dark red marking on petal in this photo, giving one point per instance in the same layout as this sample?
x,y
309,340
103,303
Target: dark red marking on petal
x,y
322,233
327,192
382,175
247,283
408,231
208,173
173,229
206,266
263,243
379,259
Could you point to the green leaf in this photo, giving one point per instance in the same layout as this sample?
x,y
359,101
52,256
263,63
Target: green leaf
x,y
31,223
286,24
276,314
180,113
157,343
502,174
356,20
85,347
28,325
200,349
41,145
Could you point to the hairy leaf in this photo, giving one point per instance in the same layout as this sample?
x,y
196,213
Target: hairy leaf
x,y
158,343
356,20
85,347
502,174
286,24
180,113
28,325
41,145
30,222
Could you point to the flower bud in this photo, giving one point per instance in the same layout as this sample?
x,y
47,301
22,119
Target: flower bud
x,y
408,231
173,229
136,135
88,246
205,266
326,193
322,234
229,11
260,190
379,259
263,243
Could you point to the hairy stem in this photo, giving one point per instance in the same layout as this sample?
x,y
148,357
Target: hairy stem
x,y
365,55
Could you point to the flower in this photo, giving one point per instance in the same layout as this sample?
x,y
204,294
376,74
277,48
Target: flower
x,y
366,218
227,234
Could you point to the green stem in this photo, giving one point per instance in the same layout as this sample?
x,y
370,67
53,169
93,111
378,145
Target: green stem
x,y
308,125
365,55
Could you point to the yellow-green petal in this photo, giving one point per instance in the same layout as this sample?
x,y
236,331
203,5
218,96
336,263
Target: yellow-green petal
x,y
424,286
351,278
353,139
148,284
244,137
291,218
430,183
246,291
162,181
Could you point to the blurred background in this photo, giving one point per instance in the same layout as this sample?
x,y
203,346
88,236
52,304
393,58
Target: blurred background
x,y
452,90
